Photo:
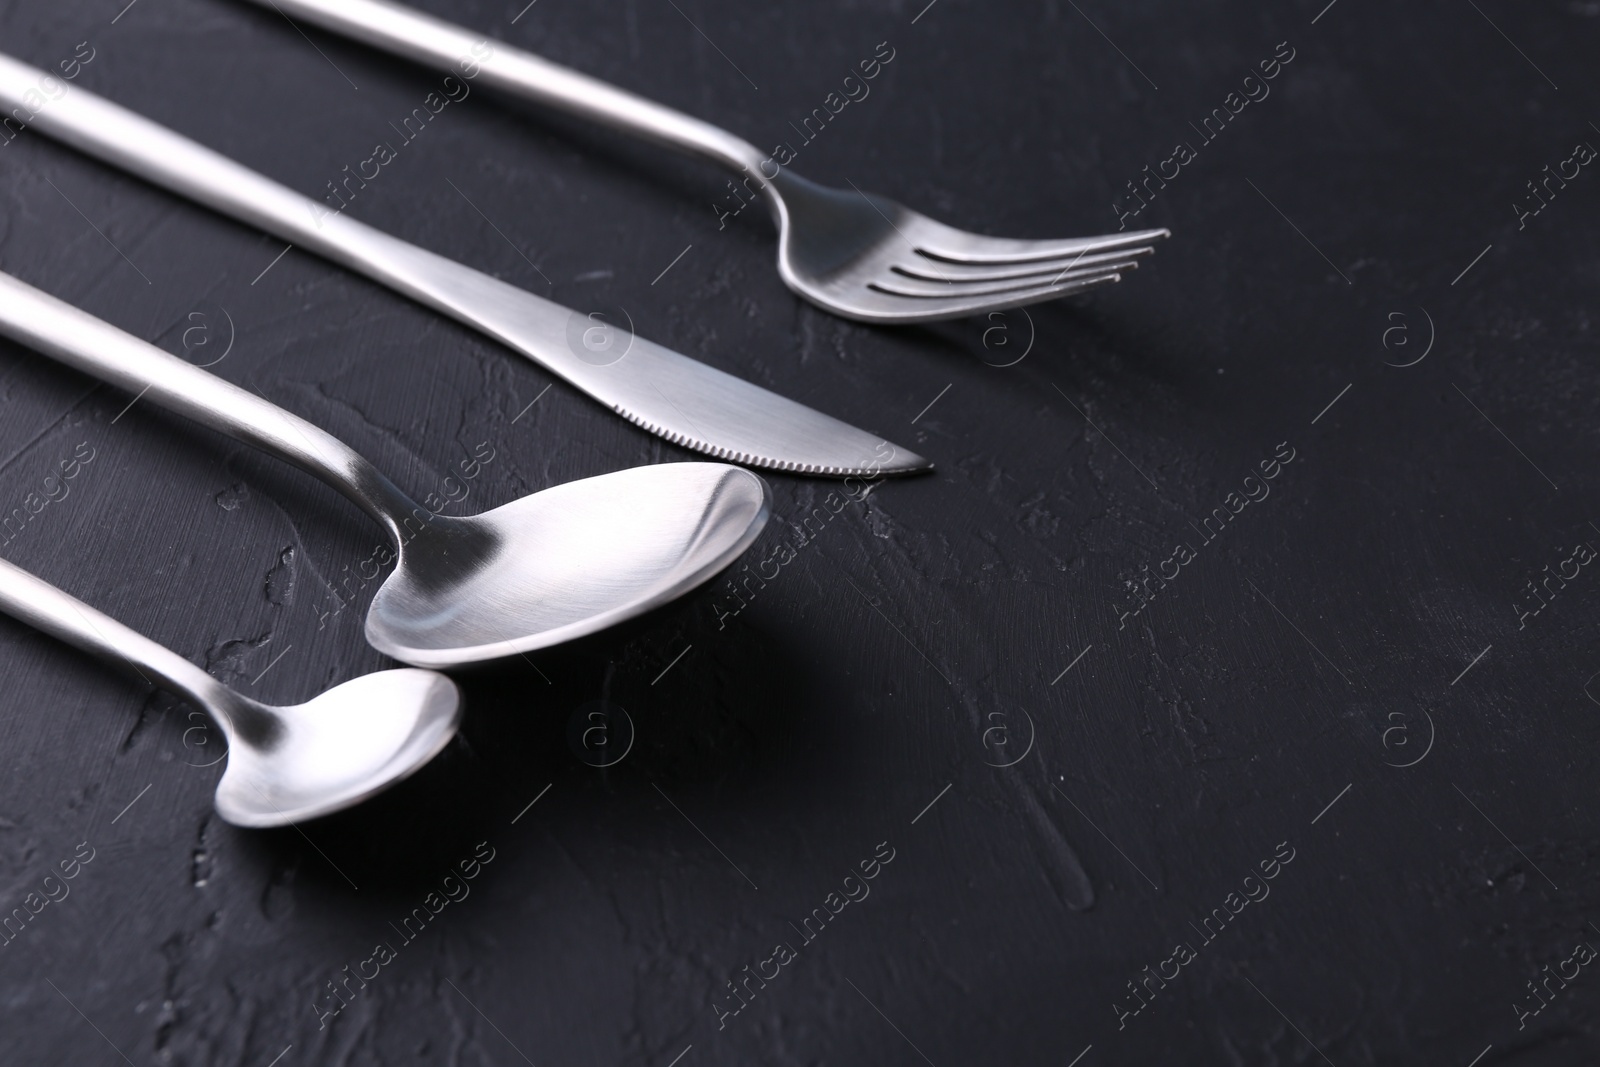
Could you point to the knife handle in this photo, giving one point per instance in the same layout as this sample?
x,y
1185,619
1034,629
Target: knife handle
x,y
403,31
113,134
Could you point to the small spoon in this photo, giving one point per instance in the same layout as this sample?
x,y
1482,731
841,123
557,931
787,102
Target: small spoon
x,y
551,567
285,765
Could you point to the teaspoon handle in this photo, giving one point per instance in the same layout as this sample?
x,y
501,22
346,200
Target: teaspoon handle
x,y
41,605
78,339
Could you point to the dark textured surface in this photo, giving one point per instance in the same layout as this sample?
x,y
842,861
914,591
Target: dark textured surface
x,y
916,640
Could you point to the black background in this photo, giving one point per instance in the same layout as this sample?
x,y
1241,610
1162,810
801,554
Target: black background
x,y
920,638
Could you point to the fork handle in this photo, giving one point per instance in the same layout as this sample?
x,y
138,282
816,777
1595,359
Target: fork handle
x,y
399,29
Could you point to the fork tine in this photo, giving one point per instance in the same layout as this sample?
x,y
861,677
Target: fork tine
x,y
934,270
924,309
905,285
958,246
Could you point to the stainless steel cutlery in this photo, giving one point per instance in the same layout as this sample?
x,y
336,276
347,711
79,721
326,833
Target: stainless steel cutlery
x,y
558,564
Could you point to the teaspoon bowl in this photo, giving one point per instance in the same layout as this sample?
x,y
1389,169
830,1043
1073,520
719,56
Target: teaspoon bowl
x,y
286,765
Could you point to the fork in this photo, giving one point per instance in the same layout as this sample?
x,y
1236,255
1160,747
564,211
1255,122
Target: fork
x,y
855,254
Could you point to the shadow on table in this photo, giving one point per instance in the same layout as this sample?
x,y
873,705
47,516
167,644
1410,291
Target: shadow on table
x,y
593,720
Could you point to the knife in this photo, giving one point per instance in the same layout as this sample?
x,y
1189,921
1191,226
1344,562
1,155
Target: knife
x,y
662,391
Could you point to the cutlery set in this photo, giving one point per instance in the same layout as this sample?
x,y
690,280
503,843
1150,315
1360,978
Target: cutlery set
x,y
559,564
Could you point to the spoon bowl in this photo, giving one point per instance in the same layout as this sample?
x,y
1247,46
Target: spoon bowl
x,y
563,563
286,765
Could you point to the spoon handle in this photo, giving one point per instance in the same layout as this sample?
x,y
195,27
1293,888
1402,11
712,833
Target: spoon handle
x,y
78,339
44,607
401,30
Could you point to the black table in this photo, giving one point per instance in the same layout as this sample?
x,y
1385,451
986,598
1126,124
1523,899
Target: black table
x,y
1220,699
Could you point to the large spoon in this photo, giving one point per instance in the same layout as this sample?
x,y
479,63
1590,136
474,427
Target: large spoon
x,y
553,566
285,765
